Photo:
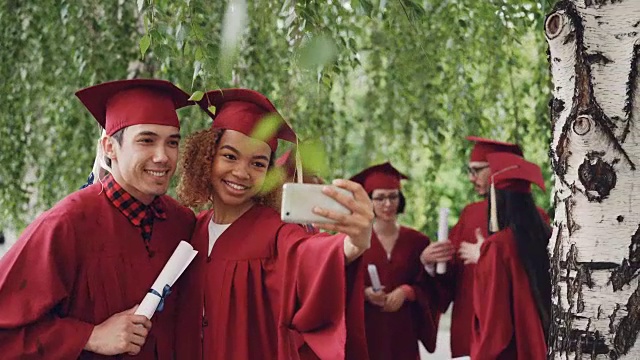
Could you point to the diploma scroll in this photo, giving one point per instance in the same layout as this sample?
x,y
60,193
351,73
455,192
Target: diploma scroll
x,y
443,235
154,300
373,276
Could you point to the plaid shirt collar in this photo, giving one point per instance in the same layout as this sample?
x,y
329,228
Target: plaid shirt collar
x,y
130,207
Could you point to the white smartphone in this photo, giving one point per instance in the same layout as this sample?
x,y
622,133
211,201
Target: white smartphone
x,y
298,201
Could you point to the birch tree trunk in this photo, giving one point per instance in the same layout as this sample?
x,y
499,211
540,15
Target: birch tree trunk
x,y
595,247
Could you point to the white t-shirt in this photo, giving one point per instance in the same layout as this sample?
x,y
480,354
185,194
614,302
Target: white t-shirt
x,y
215,230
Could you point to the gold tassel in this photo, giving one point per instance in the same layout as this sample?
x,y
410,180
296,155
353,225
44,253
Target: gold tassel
x,y
493,220
299,175
493,217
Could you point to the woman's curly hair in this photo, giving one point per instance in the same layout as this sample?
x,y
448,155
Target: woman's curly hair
x,y
194,188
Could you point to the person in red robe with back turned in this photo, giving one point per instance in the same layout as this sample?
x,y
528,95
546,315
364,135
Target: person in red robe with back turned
x,y
462,250
70,284
512,289
400,314
265,289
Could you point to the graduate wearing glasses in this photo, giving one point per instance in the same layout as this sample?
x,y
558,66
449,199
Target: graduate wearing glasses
x,y
462,250
399,314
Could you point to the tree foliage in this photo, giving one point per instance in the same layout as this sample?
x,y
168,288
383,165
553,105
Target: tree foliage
x,y
372,80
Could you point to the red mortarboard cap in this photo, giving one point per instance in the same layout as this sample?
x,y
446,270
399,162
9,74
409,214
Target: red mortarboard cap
x,y
242,110
483,147
383,176
514,173
118,104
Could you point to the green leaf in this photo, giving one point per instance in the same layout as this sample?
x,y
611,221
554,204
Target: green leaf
x,y
212,109
318,52
314,158
145,42
275,178
366,6
199,54
267,127
196,96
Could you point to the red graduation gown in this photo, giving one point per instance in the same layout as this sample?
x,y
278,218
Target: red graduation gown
x,y
457,284
75,266
506,324
271,291
395,335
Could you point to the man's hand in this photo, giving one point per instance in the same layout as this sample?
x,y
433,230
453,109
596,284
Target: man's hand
x,y
394,301
441,251
358,225
470,253
122,333
375,297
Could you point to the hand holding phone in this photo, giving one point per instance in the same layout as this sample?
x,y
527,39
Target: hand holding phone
x,y
299,200
342,207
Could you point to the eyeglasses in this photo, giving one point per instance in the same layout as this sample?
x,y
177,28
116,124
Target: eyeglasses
x,y
474,170
380,199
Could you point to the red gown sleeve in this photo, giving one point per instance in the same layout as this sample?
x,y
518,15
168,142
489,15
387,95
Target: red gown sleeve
x,y
492,320
36,277
427,292
315,291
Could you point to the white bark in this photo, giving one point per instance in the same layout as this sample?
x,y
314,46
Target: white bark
x,y
595,152
9,239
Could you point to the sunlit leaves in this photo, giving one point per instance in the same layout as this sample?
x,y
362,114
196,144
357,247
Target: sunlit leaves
x,y
368,80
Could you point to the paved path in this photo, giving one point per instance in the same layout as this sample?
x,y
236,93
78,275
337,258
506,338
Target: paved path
x,y
443,350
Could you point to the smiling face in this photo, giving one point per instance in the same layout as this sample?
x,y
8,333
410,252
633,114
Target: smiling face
x,y
145,161
240,166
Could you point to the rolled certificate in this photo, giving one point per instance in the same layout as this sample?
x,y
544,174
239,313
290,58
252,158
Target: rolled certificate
x,y
373,276
154,300
443,235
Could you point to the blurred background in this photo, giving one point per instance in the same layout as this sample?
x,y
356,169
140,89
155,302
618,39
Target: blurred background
x,y
367,80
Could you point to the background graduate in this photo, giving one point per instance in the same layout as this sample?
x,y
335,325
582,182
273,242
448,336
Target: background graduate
x,y
462,249
512,289
400,314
